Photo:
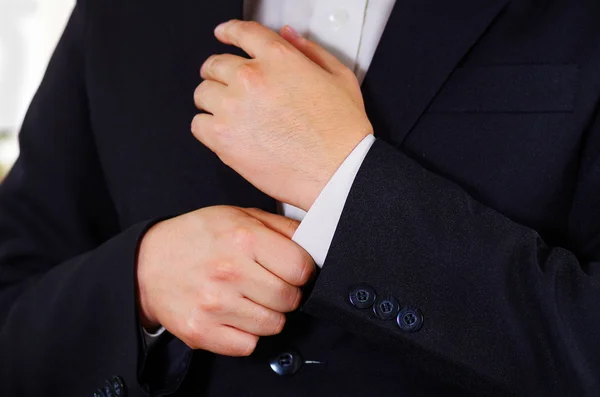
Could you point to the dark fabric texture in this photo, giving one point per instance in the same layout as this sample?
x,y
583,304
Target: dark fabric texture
x,y
476,208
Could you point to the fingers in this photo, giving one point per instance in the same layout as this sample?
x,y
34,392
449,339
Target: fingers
x,y
313,51
262,287
236,333
274,250
224,340
202,127
209,96
251,37
278,223
255,319
282,257
222,68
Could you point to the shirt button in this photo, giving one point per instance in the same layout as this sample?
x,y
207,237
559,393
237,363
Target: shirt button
x,y
286,363
410,320
362,296
339,18
386,307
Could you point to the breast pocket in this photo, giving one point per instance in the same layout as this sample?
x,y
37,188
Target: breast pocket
x,y
509,134
508,89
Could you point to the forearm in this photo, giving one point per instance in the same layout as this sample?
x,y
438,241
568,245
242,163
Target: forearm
x,y
84,307
489,289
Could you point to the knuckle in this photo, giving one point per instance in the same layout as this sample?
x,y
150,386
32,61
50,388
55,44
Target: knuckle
x,y
198,126
225,271
250,346
242,28
198,94
249,73
348,75
286,294
304,267
193,329
222,131
196,123
191,343
208,337
198,91
271,323
296,302
279,324
237,29
210,301
192,340
208,65
234,25
231,104
249,25
242,236
277,48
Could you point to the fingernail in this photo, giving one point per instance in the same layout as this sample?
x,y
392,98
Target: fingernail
x,y
219,29
292,31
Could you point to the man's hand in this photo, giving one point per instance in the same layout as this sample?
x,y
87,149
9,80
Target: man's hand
x,y
221,277
287,118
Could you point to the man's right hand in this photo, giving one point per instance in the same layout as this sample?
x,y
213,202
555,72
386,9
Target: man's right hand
x,y
220,277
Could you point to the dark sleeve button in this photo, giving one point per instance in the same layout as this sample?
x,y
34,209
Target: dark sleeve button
x,y
108,390
118,386
362,296
386,307
410,320
286,363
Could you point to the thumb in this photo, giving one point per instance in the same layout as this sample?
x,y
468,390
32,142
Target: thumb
x,y
313,51
277,223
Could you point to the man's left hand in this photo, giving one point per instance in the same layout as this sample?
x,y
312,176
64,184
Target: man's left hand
x,y
286,118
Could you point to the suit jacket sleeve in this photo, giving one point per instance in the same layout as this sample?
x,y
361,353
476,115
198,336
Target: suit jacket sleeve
x,y
500,307
68,318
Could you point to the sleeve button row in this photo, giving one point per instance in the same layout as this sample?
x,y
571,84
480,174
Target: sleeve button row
x,y
386,307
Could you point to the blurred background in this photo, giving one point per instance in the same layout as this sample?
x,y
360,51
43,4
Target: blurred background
x,y
29,31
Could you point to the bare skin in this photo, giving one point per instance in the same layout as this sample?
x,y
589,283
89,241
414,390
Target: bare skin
x,y
220,277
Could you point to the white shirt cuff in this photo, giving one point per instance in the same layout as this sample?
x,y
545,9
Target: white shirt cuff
x,y
318,226
152,337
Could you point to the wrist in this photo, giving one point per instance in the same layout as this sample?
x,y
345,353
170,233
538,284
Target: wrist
x,y
147,320
307,193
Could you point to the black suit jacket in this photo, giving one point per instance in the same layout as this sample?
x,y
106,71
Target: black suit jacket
x,y
477,205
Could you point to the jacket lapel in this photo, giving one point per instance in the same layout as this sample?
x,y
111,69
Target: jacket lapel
x,y
191,24
192,39
423,42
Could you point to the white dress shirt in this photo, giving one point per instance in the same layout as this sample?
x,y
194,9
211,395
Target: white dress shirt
x,y
351,30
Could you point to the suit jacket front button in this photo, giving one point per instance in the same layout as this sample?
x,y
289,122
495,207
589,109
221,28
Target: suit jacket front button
x,y
362,296
286,363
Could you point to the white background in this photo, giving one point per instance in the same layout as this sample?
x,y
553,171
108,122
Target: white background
x,y
29,31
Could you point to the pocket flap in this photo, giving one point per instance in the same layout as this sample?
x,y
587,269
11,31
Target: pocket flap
x,y
509,89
